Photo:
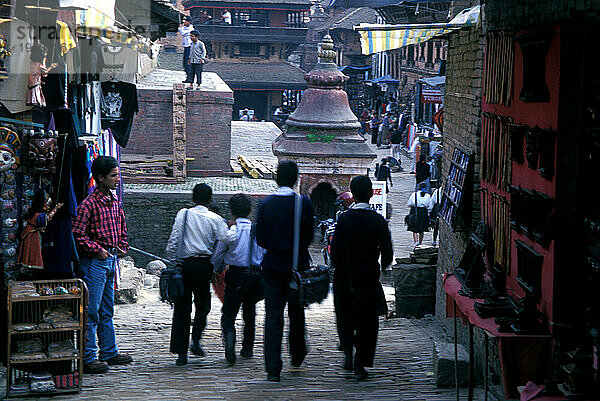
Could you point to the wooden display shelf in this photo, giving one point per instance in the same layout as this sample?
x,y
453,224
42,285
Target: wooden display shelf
x,y
30,309
44,298
33,331
47,359
71,390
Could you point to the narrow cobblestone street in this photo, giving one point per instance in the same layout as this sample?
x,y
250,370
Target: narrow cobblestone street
x,y
403,367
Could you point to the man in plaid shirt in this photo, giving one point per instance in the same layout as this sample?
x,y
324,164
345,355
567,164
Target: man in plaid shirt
x,y
101,236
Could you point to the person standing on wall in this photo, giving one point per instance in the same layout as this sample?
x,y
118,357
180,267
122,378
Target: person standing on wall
x,y
196,60
184,30
100,233
196,231
357,293
275,233
243,283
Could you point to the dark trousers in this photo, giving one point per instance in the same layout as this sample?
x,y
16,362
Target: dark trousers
x,y
242,288
356,318
374,132
342,301
196,272
277,294
195,71
186,57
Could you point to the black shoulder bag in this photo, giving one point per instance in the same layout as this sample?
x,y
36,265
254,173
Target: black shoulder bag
x,y
171,279
312,285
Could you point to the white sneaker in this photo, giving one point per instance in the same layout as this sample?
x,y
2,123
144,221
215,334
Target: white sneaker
x,y
416,244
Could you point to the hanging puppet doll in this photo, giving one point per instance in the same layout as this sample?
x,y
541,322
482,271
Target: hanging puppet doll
x,y
37,70
30,252
5,52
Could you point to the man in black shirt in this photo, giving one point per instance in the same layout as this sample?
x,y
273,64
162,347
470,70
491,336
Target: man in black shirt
x,y
361,236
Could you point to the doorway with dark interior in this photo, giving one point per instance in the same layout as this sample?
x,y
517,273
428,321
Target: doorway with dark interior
x,y
323,200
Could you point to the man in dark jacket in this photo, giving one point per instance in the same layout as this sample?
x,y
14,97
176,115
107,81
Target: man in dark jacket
x,y
275,233
361,236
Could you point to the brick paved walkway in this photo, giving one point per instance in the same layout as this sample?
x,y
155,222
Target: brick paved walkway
x,y
402,369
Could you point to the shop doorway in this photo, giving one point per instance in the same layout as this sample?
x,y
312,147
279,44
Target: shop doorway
x,y
252,100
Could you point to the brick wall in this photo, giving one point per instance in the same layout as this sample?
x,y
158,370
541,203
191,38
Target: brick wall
x,y
521,14
208,131
152,130
208,128
462,125
150,216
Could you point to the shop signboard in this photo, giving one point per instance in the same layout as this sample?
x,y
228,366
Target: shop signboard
x,y
431,96
379,200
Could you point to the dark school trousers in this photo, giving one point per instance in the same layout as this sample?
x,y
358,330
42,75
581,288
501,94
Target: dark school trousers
x,y
197,273
365,322
342,301
277,294
195,71
242,288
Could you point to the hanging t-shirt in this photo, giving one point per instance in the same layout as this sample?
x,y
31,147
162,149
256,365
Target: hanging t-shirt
x,y
120,100
120,63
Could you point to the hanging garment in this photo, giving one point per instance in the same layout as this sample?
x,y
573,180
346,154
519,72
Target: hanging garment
x,y
120,99
120,63
13,91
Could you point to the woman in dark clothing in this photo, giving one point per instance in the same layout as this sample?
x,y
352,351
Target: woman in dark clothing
x,y
423,172
420,204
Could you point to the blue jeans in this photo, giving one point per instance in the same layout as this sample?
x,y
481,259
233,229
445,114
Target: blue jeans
x,y
99,276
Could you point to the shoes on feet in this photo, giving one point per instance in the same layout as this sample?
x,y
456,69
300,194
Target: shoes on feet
x,y
297,360
416,244
119,359
247,352
197,349
360,373
230,348
433,243
273,377
95,367
181,360
348,360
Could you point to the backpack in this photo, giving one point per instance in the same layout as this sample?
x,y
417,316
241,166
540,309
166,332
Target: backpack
x,y
396,137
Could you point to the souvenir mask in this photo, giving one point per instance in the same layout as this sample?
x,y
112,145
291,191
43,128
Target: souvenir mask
x,y
8,193
7,205
9,145
42,154
9,223
11,251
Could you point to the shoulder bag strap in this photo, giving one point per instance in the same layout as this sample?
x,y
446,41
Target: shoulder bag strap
x,y
251,247
179,252
297,214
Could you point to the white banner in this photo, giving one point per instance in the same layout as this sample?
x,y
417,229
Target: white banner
x,y
379,200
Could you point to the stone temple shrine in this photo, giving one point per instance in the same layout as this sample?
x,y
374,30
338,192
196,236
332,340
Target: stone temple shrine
x,y
322,136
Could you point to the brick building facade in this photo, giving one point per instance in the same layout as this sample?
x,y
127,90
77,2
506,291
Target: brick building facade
x,y
552,82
